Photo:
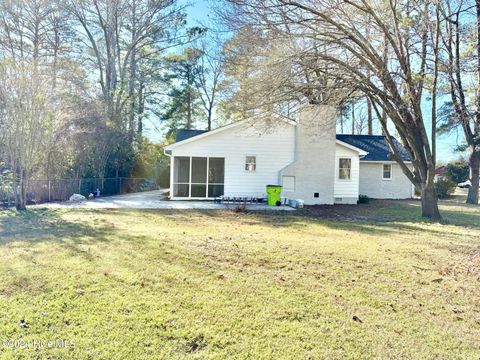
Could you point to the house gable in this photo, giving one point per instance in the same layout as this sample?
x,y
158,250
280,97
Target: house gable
x,y
259,126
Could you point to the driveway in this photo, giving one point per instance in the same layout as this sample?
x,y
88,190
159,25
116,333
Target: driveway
x,y
151,200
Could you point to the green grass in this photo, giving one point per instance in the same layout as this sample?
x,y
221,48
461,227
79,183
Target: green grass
x,y
131,284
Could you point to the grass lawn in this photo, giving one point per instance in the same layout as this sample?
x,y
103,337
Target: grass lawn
x,y
376,282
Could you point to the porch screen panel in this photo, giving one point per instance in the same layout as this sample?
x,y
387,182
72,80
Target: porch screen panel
x,y
181,177
199,177
216,177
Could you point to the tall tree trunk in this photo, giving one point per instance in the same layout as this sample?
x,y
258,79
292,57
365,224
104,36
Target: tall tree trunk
x,y
20,191
474,165
474,160
369,117
133,74
434,87
353,118
430,201
141,109
209,120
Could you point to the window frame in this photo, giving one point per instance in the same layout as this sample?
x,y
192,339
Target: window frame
x,y
383,171
339,168
246,164
190,183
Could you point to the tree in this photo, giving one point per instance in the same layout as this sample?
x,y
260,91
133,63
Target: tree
x,y
343,111
457,171
461,40
117,37
210,72
184,108
390,68
26,113
239,66
33,38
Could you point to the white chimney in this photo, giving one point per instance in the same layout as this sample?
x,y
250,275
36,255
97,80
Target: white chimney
x,y
314,167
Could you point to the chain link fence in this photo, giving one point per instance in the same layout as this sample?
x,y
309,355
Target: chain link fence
x,y
41,191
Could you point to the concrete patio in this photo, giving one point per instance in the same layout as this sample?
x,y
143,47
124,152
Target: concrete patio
x,y
153,200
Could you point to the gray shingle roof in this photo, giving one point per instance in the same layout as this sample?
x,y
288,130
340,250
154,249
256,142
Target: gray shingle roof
x,y
376,146
184,134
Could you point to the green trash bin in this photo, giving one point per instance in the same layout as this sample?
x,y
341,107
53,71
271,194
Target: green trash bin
x,y
273,193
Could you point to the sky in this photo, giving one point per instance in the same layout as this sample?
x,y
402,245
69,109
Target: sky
x,y
199,11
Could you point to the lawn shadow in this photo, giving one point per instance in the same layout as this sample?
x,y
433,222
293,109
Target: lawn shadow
x,y
46,225
380,217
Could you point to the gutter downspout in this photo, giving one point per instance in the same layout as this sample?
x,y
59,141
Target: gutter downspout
x,y
169,154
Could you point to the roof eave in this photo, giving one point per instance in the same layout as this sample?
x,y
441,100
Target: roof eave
x,y
361,152
385,161
216,131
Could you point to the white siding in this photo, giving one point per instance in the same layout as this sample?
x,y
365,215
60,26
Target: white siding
x,y
274,149
373,185
346,191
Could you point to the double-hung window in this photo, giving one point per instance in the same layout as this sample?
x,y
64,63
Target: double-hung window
x,y
344,169
250,163
387,171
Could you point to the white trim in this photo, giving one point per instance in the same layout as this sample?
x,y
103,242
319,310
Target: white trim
x,y
383,161
172,159
190,180
208,172
351,147
218,130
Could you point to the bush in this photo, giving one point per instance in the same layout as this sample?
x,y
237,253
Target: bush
x,y
363,199
445,187
457,171
417,192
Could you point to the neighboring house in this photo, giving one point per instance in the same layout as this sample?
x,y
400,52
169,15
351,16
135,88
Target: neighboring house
x,y
440,173
307,158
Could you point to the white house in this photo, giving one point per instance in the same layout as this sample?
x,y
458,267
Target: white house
x,y
307,158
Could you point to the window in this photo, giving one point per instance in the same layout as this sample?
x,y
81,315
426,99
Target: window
x,y
387,171
250,163
344,169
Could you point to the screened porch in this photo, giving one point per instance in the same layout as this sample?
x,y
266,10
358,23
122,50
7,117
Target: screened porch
x,y
198,177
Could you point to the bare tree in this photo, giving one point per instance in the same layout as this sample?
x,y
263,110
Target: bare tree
x,y
33,37
209,77
24,99
117,36
462,67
